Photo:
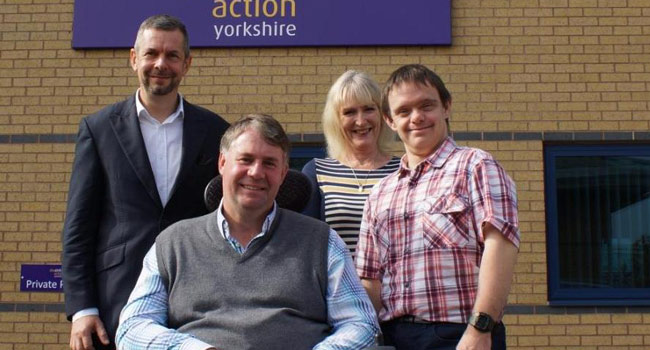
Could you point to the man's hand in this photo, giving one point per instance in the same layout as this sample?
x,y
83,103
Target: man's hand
x,y
472,339
82,331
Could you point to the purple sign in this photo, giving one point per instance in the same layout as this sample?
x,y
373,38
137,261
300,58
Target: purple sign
x,y
40,278
233,23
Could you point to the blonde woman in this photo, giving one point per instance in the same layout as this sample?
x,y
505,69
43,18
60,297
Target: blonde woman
x,y
357,140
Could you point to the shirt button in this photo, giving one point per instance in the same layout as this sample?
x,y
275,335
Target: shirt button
x,y
407,285
406,216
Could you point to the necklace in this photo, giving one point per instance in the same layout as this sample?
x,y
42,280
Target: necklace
x,y
365,179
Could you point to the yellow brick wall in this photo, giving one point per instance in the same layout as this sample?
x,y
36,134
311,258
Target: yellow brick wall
x,y
518,66
593,331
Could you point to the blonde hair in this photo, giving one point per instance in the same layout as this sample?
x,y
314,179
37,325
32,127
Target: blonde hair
x,y
351,86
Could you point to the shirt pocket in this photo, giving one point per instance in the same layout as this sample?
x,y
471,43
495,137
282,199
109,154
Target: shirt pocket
x,y
443,221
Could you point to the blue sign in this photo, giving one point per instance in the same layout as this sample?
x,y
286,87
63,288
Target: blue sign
x,y
233,23
40,278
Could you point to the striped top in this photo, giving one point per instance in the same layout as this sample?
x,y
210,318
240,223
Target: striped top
x,y
340,193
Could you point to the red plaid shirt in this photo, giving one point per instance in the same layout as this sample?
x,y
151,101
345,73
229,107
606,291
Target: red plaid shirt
x,y
421,232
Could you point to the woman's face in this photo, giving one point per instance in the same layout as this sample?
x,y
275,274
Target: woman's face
x,y
361,124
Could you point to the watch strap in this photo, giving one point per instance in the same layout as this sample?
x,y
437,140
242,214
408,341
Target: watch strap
x,y
482,322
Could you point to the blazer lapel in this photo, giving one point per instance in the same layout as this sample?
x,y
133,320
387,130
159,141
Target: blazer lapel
x,y
193,135
126,126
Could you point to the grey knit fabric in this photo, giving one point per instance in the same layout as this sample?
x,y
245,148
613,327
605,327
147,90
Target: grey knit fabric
x,y
271,297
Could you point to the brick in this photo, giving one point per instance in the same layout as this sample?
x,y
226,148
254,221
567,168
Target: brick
x,y
595,340
533,319
14,337
30,327
637,329
627,340
627,318
550,330
533,341
43,338
564,341
595,319
612,329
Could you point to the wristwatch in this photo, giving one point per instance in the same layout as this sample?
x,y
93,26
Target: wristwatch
x,y
482,322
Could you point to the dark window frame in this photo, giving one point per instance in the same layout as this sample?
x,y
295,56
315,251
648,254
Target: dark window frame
x,y
306,151
557,295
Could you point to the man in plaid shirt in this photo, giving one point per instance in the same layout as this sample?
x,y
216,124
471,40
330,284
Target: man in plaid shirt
x,y
439,237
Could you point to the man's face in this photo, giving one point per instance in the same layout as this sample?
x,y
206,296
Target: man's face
x,y
160,61
419,118
252,172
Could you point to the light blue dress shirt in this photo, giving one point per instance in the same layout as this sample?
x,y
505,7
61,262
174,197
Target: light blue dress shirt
x,y
143,322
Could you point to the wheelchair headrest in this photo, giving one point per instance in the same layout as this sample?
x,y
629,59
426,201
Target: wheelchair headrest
x,y
293,194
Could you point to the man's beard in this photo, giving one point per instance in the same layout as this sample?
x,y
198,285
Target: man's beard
x,y
160,90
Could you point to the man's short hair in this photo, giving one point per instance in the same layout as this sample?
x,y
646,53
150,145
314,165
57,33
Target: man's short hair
x,y
167,23
269,128
414,73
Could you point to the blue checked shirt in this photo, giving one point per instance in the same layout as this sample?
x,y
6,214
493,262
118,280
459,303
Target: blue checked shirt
x,y
143,320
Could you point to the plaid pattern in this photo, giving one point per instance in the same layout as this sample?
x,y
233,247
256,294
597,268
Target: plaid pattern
x,y
421,232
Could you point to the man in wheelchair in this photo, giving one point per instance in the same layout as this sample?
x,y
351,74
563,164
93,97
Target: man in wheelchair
x,y
249,275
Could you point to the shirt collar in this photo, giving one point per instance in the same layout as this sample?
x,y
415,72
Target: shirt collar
x,y
225,231
437,159
143,114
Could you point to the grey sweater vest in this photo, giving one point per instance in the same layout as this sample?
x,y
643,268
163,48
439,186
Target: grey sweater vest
x,y
271,297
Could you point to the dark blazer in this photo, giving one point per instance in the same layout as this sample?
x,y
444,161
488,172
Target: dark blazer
x,y
114,211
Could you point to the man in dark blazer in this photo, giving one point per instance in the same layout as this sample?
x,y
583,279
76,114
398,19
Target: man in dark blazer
x,y
140,165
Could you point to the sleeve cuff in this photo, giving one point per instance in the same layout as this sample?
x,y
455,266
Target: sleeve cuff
x,y
507,229
85,312
195,344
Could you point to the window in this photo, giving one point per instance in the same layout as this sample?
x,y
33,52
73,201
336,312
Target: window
x,y
598,224
300,155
